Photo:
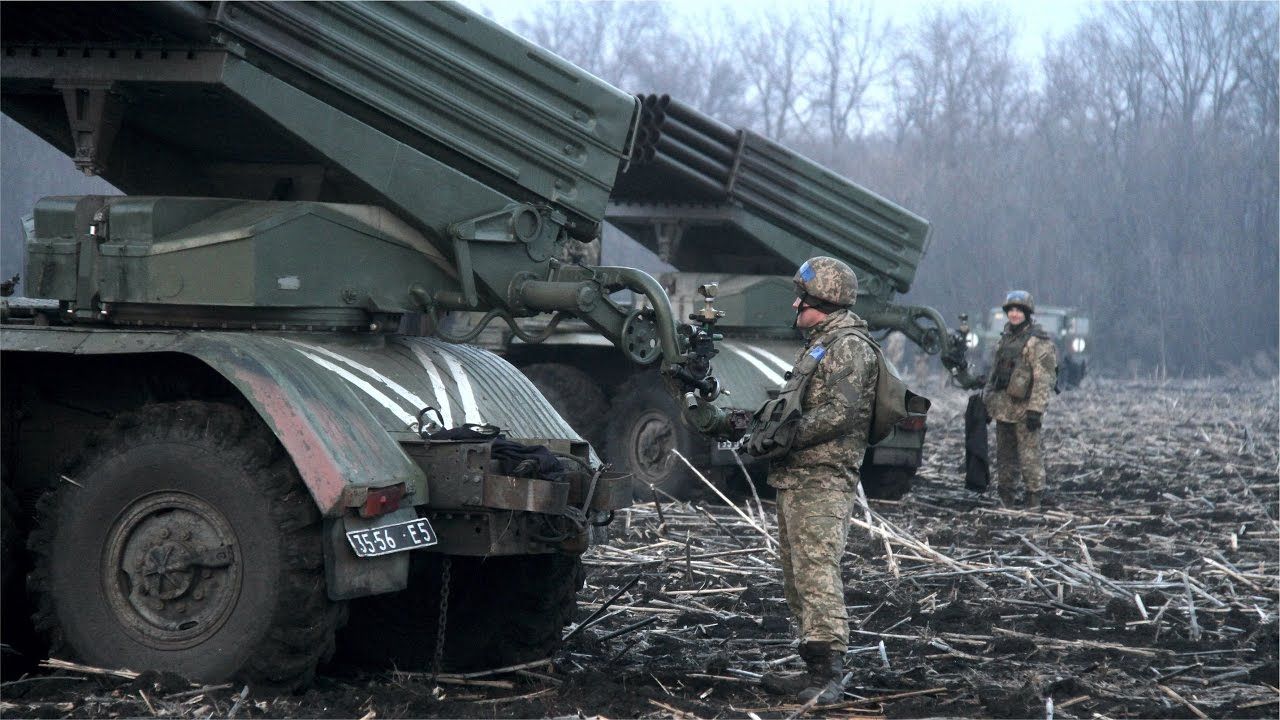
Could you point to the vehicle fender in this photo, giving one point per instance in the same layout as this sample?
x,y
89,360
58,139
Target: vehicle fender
x,y
341,449
750,369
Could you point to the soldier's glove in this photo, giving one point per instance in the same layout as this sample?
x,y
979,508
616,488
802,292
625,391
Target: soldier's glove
x,y
1033,420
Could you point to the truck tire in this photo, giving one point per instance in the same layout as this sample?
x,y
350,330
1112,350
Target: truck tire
x,y
886,482
184,540
645,425
503,610
21,646
574,395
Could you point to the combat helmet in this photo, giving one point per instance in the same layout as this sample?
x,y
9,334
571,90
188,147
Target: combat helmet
x,y
1019,298
826,283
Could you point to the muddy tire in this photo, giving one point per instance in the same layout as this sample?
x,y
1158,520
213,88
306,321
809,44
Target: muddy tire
x,y
645,425
574,395
186,542
22,649
502,611
885,482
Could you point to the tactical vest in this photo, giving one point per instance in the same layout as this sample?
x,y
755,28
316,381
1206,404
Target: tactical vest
x,y
1009,354
773,427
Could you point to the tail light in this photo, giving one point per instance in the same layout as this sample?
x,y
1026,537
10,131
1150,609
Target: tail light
x,y
914,423
380,501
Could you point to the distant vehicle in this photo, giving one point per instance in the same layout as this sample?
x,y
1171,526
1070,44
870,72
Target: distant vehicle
x,y
1068,326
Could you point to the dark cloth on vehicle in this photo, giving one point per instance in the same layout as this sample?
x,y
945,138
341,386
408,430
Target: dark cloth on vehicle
x,y
515,459
977,461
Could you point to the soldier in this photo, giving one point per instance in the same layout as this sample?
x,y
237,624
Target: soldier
x,y
817,431
1017,393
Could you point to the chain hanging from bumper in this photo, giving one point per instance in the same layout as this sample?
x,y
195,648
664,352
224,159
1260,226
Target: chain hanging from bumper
x,y
438,657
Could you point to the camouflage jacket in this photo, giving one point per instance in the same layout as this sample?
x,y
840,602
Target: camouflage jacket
x,y
831,437
1035,372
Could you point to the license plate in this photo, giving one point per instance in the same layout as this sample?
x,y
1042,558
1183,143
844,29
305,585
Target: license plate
x,y
397,537
728,444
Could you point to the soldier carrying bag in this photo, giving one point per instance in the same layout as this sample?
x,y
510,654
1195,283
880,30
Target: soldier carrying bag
x,y
773,426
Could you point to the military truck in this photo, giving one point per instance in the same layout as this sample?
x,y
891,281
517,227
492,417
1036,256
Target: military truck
x,y
728,206
215,446
1068,326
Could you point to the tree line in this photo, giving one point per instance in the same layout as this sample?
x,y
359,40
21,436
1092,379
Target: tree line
x,y
1130,170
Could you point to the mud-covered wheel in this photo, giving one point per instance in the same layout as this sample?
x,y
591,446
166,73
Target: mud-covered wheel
x,y
21,647
574,395
502,611
886,482
645,425
184,540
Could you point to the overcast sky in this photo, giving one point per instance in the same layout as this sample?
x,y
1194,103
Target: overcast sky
x,y
1036,17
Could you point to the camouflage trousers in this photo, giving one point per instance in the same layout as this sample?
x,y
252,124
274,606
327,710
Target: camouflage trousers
x,y
1018,448
813,525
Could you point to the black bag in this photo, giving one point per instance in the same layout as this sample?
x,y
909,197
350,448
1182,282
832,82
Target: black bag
x,y
515,459
977,460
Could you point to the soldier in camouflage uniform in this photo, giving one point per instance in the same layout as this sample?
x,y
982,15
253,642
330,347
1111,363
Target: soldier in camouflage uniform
x,y
1022,378
817,476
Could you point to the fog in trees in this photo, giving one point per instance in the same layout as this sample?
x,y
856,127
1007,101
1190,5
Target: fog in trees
x,y
1130,170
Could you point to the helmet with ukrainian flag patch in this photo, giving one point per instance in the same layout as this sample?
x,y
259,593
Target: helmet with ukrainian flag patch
x,y
828,281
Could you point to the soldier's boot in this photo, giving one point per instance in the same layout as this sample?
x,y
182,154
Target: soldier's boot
x,y
1006,496
777,682
826,673
1033,500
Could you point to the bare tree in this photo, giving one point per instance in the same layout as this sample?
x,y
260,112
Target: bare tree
x,y
773,48
850,51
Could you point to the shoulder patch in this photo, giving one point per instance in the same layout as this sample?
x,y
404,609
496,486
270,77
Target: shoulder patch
x,y
818,352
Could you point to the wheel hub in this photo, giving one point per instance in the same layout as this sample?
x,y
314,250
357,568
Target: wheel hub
x,y
653,439
172,574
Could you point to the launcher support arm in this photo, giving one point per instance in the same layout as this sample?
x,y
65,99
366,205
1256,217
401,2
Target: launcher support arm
x,y
925,327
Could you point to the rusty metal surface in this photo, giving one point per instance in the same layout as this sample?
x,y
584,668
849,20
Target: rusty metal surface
x,y
531,494
456,470
613,491
485,533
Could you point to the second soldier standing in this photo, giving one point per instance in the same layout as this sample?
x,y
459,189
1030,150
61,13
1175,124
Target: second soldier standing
x,y
1017,393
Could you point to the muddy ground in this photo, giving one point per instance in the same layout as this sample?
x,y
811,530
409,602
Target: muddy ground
x,y
1147,587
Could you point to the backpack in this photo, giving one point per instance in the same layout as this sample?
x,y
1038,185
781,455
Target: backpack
x,y
773,426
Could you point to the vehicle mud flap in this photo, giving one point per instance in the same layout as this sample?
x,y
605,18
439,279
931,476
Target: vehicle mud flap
x,y
347,576
977,458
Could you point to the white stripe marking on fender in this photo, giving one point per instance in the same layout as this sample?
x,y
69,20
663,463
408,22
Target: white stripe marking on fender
x,y
778,362
386,402
437,384
470,410
412,398
765,370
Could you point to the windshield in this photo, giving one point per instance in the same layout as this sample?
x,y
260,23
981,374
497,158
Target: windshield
x,y
1052,324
